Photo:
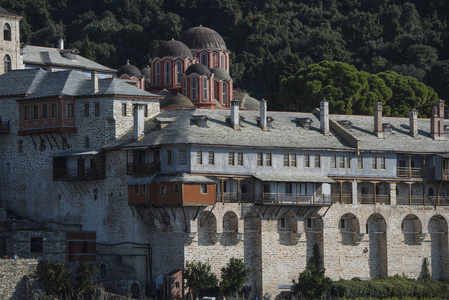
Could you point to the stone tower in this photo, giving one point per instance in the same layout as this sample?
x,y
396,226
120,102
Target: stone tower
x,y
9,41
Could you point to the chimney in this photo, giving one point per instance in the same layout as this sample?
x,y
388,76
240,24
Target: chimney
x,y
235,118
440,107
94,78
435,123
378,120
324,117
61,44
139,124
263,115
414,123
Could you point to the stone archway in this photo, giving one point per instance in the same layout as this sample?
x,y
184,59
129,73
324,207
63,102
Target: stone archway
x,y
412,230
438,231
253,251
230,229
314,235
350,229
207,228
377,231
287,229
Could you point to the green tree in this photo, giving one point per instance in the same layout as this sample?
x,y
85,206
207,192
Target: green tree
x,y
312,284
56,278
199,277
233,276
84,281
87,49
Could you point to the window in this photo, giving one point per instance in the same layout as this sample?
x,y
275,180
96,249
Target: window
x,y
7,63
70,110
184,87
288,188
373,162
199,157
204,89
54,110
158,73
307,125
231,158
309,223
259,159
240,159
6,32
176,187
382,163
292,159
286,160
194,87
282,223
222,61
333,161
341,161
26,113
204,59
136,189
225,93
86,142
86,109
211,158
144,189
169,157
360,162
268,159
124,109
167,73
178,72
203,123
20,146
317,161
348,162
36,245
35,112
307,160
204,189
182,157
342,224
45,111
163,190
97,109
216,60
145,113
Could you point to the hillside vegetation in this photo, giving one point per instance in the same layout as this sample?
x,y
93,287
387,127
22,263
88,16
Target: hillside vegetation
x,y
269,40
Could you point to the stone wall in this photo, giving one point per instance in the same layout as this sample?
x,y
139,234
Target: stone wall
x,y
17,278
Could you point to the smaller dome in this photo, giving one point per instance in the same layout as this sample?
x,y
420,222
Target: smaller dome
x,y
173,49
146,72
178,101
221,74
128,70
198,69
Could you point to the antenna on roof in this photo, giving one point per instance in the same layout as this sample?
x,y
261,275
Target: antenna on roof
x,y
127,61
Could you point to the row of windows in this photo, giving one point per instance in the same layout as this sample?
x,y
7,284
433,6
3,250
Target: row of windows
x,y
125,110
344,162
291,161
167,72
87,109
44,109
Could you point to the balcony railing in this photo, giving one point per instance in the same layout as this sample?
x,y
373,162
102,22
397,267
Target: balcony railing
x,y
273,198
410,172
143,168
372,199
345,198
75,174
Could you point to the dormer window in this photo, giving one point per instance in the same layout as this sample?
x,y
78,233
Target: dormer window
x,y
269,121
201,121
346,124
162,122
305,123
387,128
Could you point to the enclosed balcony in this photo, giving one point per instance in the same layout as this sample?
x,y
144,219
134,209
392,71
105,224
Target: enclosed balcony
x,y
414,167
87,165
141,168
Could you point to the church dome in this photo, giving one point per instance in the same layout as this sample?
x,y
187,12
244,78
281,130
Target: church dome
x,y
173,49
203,38
146,72
198,69
129,70
220,74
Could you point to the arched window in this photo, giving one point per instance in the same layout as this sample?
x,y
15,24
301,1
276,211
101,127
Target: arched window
x,y
86,142
167,73
225,93
215,59
178,72
6,32
194,87
158,73
7,63
222,61
204,59
204,89
430,192
184,87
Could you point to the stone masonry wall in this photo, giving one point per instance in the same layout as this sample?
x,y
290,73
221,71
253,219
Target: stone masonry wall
x,y
12,277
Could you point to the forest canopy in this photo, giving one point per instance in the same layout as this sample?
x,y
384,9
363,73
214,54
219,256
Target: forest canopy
x,y
270,40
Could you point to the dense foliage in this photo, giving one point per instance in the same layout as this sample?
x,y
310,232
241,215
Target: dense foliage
x,y
233,277
199,278
269,39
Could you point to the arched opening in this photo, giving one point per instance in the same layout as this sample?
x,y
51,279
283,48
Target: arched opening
x,y
246,190
350,229
430,192
178,72
167,73
314,234
204,88
225,93
158,73
287,229
204,59
377,231
207,228
103,271
86,142
7,32
253,251
412,229
7,63
135,290
230,229
439,247
194,88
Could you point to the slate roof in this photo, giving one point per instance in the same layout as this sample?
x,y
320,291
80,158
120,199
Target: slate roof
x,y
4,12
183,177
36,83
202,38
184,131
173,49
44,57
362,128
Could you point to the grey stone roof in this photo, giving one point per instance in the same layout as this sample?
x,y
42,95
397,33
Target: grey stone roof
x,y
294,178
220,74
399,140
36,83
45,57
247,102
183,177
202,38
199,69
173,49
128,69
284,134
178,101
4,12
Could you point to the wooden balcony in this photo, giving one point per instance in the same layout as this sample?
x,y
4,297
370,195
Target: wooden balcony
x,y
373,199
143,168
75,174
274,198
343,198
413,200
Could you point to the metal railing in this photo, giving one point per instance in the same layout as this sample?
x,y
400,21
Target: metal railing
x,y
143,168
75,174
273,198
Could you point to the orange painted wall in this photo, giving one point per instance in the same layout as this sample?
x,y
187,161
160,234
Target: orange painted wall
x,y
171,197
192,194
139,198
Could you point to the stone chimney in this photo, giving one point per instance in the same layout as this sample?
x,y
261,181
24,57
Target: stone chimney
x,y
263,115
235,117
413,123
139,121
378,120
440,107
94,78
61,44
324,117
